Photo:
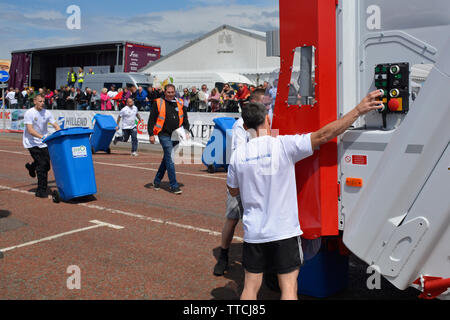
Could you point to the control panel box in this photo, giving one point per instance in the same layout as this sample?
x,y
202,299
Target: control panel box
x,y
393,80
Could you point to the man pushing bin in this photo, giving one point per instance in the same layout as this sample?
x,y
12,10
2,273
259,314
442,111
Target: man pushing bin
x,y
36,120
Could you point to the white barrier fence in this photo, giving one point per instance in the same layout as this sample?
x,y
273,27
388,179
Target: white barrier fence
x,y
201,123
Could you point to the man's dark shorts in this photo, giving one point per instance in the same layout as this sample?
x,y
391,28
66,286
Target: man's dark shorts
x,y
280,257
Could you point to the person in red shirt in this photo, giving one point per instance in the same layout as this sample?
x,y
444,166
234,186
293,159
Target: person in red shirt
x,y
242,94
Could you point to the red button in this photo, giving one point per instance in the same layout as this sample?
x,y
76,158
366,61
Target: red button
x,y
393,104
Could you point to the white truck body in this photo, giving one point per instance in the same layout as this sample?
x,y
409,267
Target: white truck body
x,y
399,219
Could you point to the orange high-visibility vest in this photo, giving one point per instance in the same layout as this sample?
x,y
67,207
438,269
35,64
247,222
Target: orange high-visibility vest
x,y
161,104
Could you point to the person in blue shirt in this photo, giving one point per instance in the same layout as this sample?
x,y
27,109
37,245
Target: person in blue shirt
x,y
141,98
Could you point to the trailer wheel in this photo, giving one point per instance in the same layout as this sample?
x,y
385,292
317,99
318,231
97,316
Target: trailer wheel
x,y
55,197
211,168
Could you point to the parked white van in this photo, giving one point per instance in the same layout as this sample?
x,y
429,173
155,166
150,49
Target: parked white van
x,y
119,79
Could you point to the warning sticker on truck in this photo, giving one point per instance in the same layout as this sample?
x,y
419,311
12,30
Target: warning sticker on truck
x,y
79,152
359,159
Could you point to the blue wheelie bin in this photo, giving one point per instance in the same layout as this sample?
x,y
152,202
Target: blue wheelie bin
x,y
104,130
218,149
71,158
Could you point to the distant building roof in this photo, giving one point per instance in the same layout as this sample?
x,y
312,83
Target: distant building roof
x,y
251,33
81,45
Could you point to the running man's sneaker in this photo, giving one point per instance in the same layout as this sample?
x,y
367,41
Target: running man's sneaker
x,y
156,186
176,190
221,266
41,194
134,154
31,170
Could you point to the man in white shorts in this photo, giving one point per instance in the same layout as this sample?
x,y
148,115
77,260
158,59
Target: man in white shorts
x,y
36,120
262,171
129,113
234,206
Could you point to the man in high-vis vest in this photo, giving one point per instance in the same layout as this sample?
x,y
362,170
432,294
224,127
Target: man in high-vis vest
x,y
166,116
71,78
80,78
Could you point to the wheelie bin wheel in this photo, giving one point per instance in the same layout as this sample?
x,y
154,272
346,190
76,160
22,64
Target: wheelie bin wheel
x,y
108,151
211,168
92,150
55,197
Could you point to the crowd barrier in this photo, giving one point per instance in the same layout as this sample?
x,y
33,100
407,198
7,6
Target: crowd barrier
x,y
201,123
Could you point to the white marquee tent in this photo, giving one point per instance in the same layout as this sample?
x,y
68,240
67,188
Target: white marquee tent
x,y
224,49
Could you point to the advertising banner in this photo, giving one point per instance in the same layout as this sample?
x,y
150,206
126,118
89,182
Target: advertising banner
x,y
138,56
201,123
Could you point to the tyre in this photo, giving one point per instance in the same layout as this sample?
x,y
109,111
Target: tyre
x,y
55,197
92,150
211,168
108,151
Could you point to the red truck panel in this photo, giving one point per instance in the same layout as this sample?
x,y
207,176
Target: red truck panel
x,y
311,23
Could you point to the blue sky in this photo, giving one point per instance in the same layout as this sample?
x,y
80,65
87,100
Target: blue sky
x,y
170,24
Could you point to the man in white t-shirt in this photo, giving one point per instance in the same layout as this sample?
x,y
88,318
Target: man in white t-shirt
x,y
262,171
36,120
11,96
234,206
129,113
111,94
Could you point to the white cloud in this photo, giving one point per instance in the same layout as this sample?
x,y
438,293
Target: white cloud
x,y
169,29
172,29
45,15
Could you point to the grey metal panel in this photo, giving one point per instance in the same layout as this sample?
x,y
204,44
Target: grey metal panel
x,y
273,43
414,148
365,146
412,31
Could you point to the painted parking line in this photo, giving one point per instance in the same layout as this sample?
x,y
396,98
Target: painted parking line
x,y
97,224
137,216
201,175
14,152
205,175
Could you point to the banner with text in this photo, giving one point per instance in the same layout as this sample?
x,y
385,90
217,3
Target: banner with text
x,y
201,123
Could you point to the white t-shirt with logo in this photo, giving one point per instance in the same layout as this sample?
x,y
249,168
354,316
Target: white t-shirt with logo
x,y
128,115
39,120
264,171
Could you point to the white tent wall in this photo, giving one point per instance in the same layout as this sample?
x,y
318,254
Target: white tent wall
x,y
225,49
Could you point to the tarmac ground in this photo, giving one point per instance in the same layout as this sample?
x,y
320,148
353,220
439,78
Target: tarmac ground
x,y
128,241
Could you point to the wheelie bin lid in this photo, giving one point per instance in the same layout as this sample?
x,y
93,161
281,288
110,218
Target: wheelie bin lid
x,y
224,123
68,132
105,121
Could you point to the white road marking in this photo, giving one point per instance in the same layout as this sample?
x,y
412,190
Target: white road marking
x,y
15,152
137,216
97,224
210,176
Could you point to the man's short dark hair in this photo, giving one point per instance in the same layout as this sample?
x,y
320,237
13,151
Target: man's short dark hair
x,y
257,95
169,85
254,115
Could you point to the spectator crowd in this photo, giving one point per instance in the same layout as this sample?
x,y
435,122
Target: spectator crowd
x,y
70,97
